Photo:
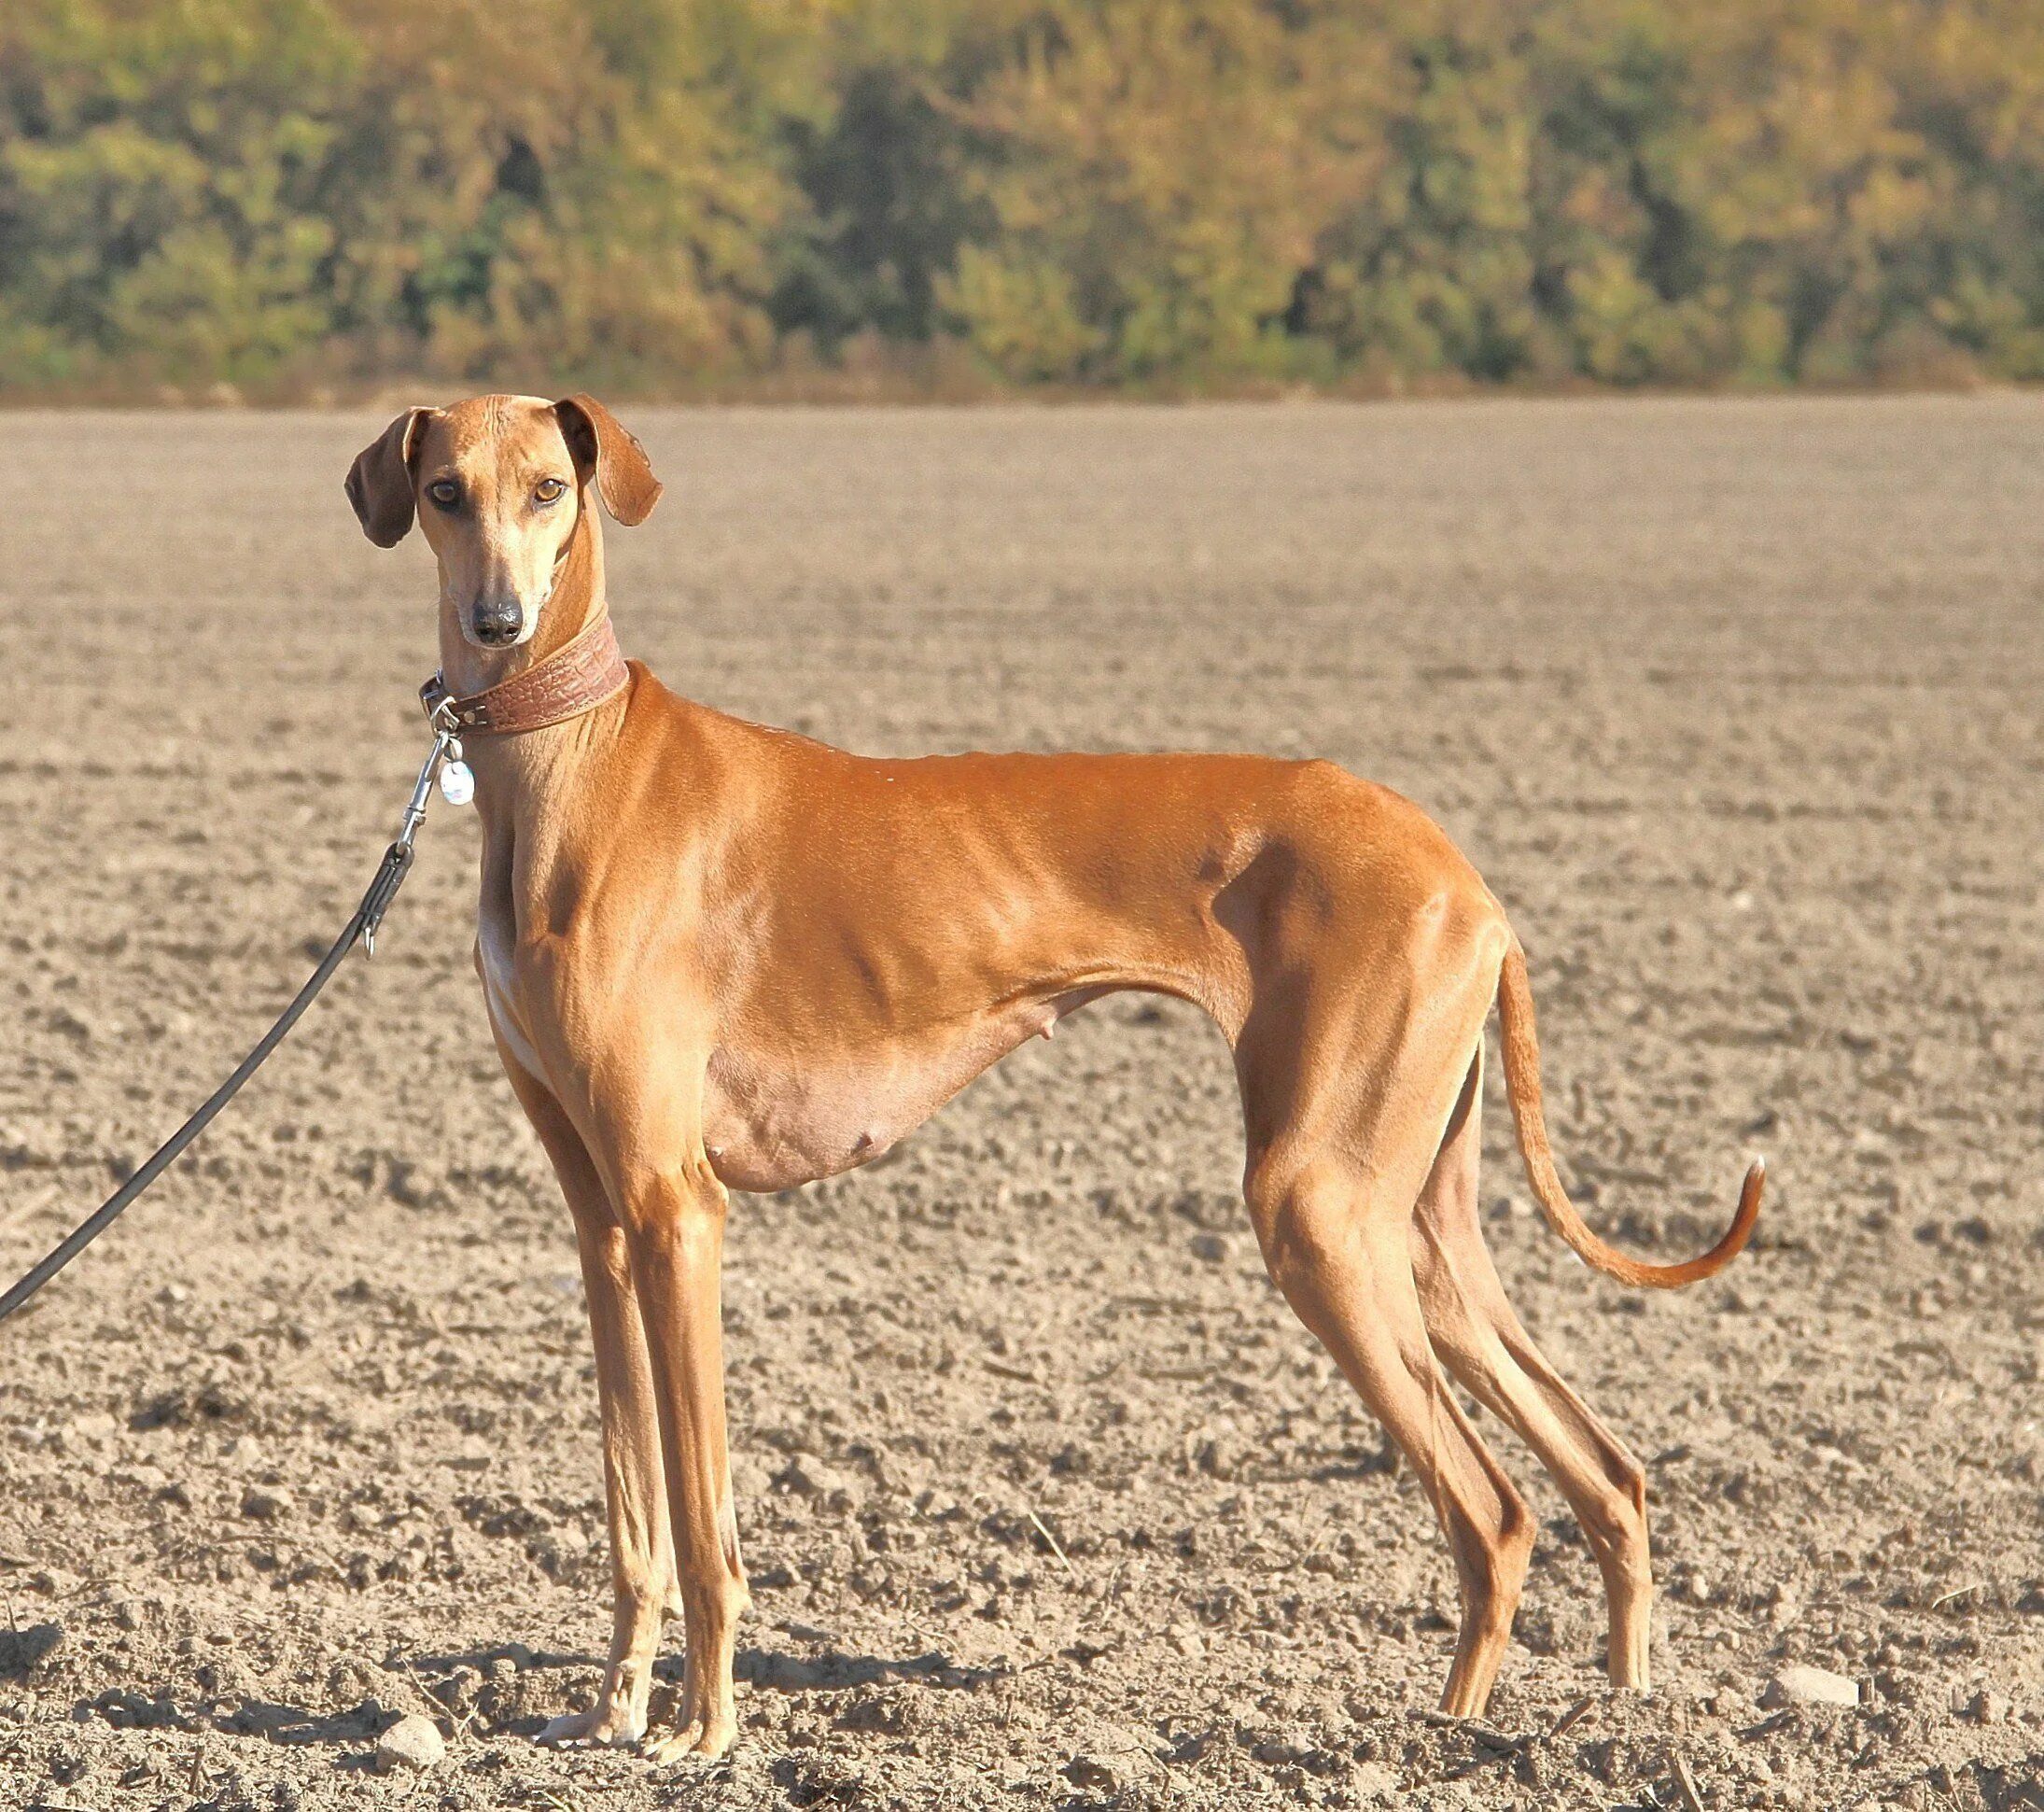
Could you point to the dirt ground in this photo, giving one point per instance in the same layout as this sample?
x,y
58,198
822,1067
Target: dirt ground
x,y
1046,1498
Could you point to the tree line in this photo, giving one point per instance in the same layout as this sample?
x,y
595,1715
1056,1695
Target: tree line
x,y
678,196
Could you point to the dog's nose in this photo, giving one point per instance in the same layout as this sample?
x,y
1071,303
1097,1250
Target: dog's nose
x,y
498,619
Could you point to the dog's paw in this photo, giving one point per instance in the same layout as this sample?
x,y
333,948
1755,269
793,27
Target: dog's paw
x,y
698,1740
604,1726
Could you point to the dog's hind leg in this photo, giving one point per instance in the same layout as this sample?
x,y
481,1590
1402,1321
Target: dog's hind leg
x,y
642,1569
1476,1332
1341,1140
1337,1251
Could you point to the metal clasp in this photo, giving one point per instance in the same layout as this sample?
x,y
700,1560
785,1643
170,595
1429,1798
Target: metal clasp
x,y
439,707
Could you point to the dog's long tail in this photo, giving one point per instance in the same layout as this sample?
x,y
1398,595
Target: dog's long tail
x,y
1515,1011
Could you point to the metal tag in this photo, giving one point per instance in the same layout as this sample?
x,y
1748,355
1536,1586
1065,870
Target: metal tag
x,y
457,783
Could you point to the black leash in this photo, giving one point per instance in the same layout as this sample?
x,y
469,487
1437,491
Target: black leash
x,y
390,873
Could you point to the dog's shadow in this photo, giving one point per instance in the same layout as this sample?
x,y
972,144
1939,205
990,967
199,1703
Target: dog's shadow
x,y
825,1672
294,1725
532,1697
421,1683
835,1671
126,1707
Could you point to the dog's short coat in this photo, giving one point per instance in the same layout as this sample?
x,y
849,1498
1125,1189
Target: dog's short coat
x,y
718,956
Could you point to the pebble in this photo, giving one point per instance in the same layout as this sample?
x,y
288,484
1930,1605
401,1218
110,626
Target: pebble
x,y
1372,1784
412,1742
1989,1707
267,1503
1785,1605
1112,1762
811,1478
93,1428
22,1650
1094,1772
1805,1685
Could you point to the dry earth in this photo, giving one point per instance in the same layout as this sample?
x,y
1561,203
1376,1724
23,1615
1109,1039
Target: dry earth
x,y
1737,706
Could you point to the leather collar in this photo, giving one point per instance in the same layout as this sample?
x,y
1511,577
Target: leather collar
x,y
587,672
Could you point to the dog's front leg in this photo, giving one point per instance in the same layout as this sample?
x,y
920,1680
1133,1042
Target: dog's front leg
x,y
674,1221
635,1487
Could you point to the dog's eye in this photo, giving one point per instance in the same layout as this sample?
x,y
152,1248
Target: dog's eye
x,y
444,492
549,490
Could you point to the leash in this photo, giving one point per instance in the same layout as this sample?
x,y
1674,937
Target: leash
x,y
458,786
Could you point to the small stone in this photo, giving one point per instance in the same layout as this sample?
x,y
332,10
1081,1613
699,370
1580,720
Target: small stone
x,y
1111,1762
92,1429
22,1650
1374,1784
809,1477
267,1503
1802,1684
750,1478
1278,1751
1212,1248
1988,1707
412,1742
1784,1602
1094,1772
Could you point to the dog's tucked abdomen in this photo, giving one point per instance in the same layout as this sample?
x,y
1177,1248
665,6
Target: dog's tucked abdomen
x,y
773,1121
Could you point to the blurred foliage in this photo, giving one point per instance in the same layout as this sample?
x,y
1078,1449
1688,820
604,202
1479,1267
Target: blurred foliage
x,y
665,194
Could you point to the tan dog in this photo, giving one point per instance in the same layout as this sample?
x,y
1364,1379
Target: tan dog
x,y
717,956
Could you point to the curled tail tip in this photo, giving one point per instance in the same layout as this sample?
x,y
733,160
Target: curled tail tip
x,y
1666,1277
1743,1219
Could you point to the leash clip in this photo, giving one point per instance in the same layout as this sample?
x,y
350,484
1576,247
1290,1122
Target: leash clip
x,y
439,705
457,778
443,761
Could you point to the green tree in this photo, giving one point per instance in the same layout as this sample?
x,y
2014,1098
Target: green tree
x,y
667,193
160,166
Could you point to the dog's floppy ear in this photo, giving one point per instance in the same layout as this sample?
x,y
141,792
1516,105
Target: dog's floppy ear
x,y
602,443
380,481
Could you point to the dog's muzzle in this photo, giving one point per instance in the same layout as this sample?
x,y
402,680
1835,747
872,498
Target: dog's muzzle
x,y
498,621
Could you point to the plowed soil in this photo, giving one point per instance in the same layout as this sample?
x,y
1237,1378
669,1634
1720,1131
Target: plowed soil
x,y
1047,1499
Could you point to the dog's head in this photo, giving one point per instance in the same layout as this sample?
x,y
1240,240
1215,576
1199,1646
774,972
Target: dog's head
x,y
500,486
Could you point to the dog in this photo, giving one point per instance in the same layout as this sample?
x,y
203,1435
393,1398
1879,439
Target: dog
x,y
717,956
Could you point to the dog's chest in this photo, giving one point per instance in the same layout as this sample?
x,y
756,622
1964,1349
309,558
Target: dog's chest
x,y
493,954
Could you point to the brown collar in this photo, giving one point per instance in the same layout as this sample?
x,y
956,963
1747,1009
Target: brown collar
x,y
587,672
